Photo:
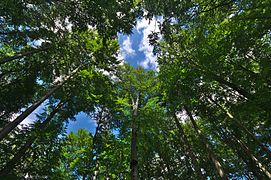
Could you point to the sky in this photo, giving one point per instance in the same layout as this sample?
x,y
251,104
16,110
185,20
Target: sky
x,y
134,49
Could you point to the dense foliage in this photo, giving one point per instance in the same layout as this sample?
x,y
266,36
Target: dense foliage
x,y
204,115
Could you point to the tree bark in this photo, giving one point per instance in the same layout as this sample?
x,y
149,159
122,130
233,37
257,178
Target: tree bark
x,y
217,164
250,134
188,147
235,143
221,80
253,161
11,125
94,175
134,160
22,54
227,139
96,172
22,151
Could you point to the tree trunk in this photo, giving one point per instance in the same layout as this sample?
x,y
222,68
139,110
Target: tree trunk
x,y
221,80
233,86
11,125
96,172
190,152
22,151
94,175
134,160
234,143
253,161
226,138
216,163
250,134
22,54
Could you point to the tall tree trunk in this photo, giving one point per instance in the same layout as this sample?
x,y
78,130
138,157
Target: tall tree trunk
x,y
96,172
94,175
235,143
232,85
164,156
22,151
236,122
11,125
204,141
22,54
188,147
226,138
253,161
254,158
221,80
134,160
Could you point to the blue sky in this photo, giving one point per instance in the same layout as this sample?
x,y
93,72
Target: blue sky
x,y
82,121
134,49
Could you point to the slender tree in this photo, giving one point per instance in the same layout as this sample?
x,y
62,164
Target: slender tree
x,y
217,164
190,152
10,126
22,151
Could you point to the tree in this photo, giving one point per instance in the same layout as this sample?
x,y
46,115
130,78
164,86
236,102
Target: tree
x,y
137,86
211,60
22,151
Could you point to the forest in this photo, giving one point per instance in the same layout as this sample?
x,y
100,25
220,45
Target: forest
x,y
205,113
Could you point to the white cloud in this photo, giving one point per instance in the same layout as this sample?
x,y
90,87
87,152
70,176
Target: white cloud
x,y
126,48
148,27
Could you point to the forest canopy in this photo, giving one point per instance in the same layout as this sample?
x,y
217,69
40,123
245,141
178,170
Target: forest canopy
x,y
204,114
